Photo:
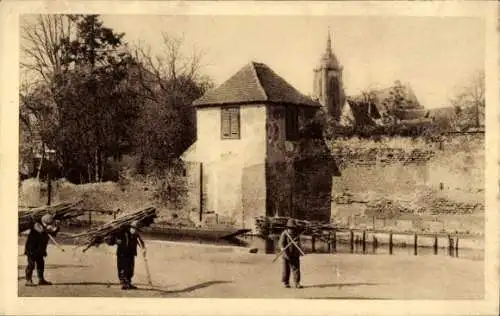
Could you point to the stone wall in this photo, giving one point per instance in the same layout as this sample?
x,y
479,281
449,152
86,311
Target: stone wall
x,y
390,180
298,172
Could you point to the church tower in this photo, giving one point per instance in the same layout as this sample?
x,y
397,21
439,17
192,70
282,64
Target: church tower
x,y
328,86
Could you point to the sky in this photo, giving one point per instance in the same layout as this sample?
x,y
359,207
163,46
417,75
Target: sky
x,y
432,54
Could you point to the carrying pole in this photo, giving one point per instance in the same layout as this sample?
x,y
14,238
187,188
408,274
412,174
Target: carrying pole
x,y
146,264
294,243
282,251
55,243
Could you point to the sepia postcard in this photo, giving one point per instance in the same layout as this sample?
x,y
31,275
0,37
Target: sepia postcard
x,y
250,158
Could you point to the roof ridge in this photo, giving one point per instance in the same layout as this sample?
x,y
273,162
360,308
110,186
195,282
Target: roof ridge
x,y
260,86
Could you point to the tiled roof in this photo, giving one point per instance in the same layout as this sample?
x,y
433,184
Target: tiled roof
x,y
254,83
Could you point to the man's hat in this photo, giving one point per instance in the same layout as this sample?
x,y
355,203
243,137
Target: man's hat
x,y
47,219
291,223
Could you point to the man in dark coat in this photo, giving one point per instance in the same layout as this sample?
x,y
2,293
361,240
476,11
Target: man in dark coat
x,y
127,241
36,248
291,254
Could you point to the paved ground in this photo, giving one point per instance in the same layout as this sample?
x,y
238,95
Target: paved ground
x,y
183,270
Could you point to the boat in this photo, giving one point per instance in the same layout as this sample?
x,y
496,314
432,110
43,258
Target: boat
x,y
204,233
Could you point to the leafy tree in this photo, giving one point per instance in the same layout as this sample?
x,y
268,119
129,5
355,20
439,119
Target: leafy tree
x,y
98,105
79,72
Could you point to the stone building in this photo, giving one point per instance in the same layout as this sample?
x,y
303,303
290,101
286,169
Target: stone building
x,y
328,85
255,152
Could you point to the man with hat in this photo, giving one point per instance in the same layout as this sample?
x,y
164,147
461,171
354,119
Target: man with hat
x,y
36,248
127,240
289,243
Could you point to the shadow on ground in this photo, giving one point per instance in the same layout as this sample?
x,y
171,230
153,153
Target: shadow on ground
x,y
322,286
57,266
347,298
145,288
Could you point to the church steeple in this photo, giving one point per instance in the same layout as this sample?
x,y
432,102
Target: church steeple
x,y
329,60
328,86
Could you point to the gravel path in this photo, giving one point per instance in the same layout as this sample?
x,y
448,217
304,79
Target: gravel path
x,y
186,270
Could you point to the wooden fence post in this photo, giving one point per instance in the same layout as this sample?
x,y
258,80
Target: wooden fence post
x,y
352,241
435,244
375,242
390,242
313,243
456,246
450,245
415,244
364,241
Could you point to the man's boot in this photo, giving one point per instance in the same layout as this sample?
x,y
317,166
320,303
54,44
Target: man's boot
x,y
132,287
44,282
29,283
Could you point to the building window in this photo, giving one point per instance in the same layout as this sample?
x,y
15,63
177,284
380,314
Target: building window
x,y
230,123
292,123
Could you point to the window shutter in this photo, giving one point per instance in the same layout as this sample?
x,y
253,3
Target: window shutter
x,y
230,123
235,122
226,123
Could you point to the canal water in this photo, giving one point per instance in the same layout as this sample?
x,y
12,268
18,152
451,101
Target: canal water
x,y
270,246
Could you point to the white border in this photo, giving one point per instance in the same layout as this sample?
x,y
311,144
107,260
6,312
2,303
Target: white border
x,y
11,304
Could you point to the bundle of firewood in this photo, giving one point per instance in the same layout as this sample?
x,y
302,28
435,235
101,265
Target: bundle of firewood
x,y
96,236
60,212
275,225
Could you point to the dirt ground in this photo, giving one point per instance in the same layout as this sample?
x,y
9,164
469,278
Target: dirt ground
x,y
190,270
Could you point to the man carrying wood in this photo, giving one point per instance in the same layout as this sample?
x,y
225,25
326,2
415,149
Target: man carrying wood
x,y
36,248
289,243
127,240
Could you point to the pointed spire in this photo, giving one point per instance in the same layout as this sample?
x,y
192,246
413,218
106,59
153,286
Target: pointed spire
x,y
329,42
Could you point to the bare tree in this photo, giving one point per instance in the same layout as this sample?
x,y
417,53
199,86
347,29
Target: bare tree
x,y
170,70
470,100
42,46
42,67
169,82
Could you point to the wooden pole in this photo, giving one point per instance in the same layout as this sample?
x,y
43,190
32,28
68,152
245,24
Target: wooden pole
x,y
435,244
329,242
352,241
456,246
201,191
390,243
375,242
450,245
90,219
415,244
334,242
49,187
364,241
313,243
